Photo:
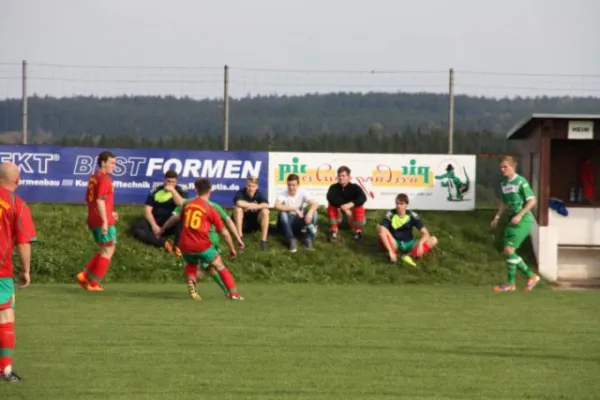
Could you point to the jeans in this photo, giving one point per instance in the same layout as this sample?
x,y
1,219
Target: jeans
x,y
289,224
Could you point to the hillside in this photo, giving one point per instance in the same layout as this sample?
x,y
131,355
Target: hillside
x,y
469,253
335,113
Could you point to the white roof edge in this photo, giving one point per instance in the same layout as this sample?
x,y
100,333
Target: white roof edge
x,y
524,121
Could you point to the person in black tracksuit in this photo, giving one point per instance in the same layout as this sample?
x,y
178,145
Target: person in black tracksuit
x,y
160,204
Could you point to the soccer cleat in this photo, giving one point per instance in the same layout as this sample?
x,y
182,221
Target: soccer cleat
x,y
96,288
235,296
178,252
169,247
192,291
333,235
408,260
11,377
82,281
358,235
505,287
532,282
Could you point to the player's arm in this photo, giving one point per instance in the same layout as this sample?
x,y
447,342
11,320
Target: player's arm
x,y
178,198
500,212
103,191
173,219
529,197
334,196
216,220
25,235
361,197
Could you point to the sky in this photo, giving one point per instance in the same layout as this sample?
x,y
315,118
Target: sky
x,y
179,47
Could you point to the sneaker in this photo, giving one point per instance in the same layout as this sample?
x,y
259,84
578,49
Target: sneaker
x,y
264,245
531,282
333,235
192,291
358,235
11,377
293,245
505,287
308,244
408,260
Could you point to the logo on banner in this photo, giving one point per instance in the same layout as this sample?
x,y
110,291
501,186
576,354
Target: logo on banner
x,y
455,179
30,163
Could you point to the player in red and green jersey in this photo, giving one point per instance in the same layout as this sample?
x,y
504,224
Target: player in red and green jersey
x,y
198,216
16,229
518,199
213,236
101,220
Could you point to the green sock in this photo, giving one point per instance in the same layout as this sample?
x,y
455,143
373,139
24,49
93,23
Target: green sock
x,y
525,269
215,275
511,262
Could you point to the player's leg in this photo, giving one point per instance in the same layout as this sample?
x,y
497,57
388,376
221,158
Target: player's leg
x,y
388,242
429,244
358,221
332,218
7,330
215,261
94,272
512,259
191,274
522,231
309,230
215,240
263,222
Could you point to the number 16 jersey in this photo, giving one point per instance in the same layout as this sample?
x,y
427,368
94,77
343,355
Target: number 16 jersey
x,y
197,217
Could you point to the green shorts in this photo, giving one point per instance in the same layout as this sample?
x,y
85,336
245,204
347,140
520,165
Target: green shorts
x,y
405,247
203,259
515,235
215,239
110,239
7,293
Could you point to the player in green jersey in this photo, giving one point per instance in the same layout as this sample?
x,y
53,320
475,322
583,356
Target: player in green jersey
x,y
214,238
518,199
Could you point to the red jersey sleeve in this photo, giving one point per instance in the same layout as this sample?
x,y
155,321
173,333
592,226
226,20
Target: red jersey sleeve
x,y
24,229
216,220
104,186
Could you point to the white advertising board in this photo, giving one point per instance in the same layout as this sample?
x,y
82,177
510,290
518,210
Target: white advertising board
x,y
432,181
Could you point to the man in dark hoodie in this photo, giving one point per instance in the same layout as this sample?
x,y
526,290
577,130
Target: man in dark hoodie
x,y
349,198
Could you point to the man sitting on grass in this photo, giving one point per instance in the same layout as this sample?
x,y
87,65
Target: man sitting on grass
x,y
251,212
396,233
293,216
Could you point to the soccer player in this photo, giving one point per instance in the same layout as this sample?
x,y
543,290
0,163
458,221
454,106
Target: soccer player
x,y
350,199
16,229
214,238
101,221
396,233
198,216
518,199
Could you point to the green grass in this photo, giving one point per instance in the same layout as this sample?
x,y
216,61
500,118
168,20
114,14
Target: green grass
x,y
148,341
469,252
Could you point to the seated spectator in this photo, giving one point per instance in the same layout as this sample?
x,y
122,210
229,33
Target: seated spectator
x,y
293,217
251,212
160,204
348,198
396,233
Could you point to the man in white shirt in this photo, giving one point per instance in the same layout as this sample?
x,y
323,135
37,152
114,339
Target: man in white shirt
x,y
297,214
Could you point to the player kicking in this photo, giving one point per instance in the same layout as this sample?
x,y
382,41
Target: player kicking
x,y
518,199
198,216
16,228
101,222
214,238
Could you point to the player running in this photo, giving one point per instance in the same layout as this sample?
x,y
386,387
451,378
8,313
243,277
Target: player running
x,y
214,238
16,229
518,199
195,244
101,222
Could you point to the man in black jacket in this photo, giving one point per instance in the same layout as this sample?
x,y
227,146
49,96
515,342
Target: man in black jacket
x,y
349,198
160,204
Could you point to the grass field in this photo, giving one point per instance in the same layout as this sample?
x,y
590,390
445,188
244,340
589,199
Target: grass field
x,y
148,341
469,252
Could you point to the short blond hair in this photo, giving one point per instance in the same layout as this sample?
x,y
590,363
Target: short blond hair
x,y
509,159
252,179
